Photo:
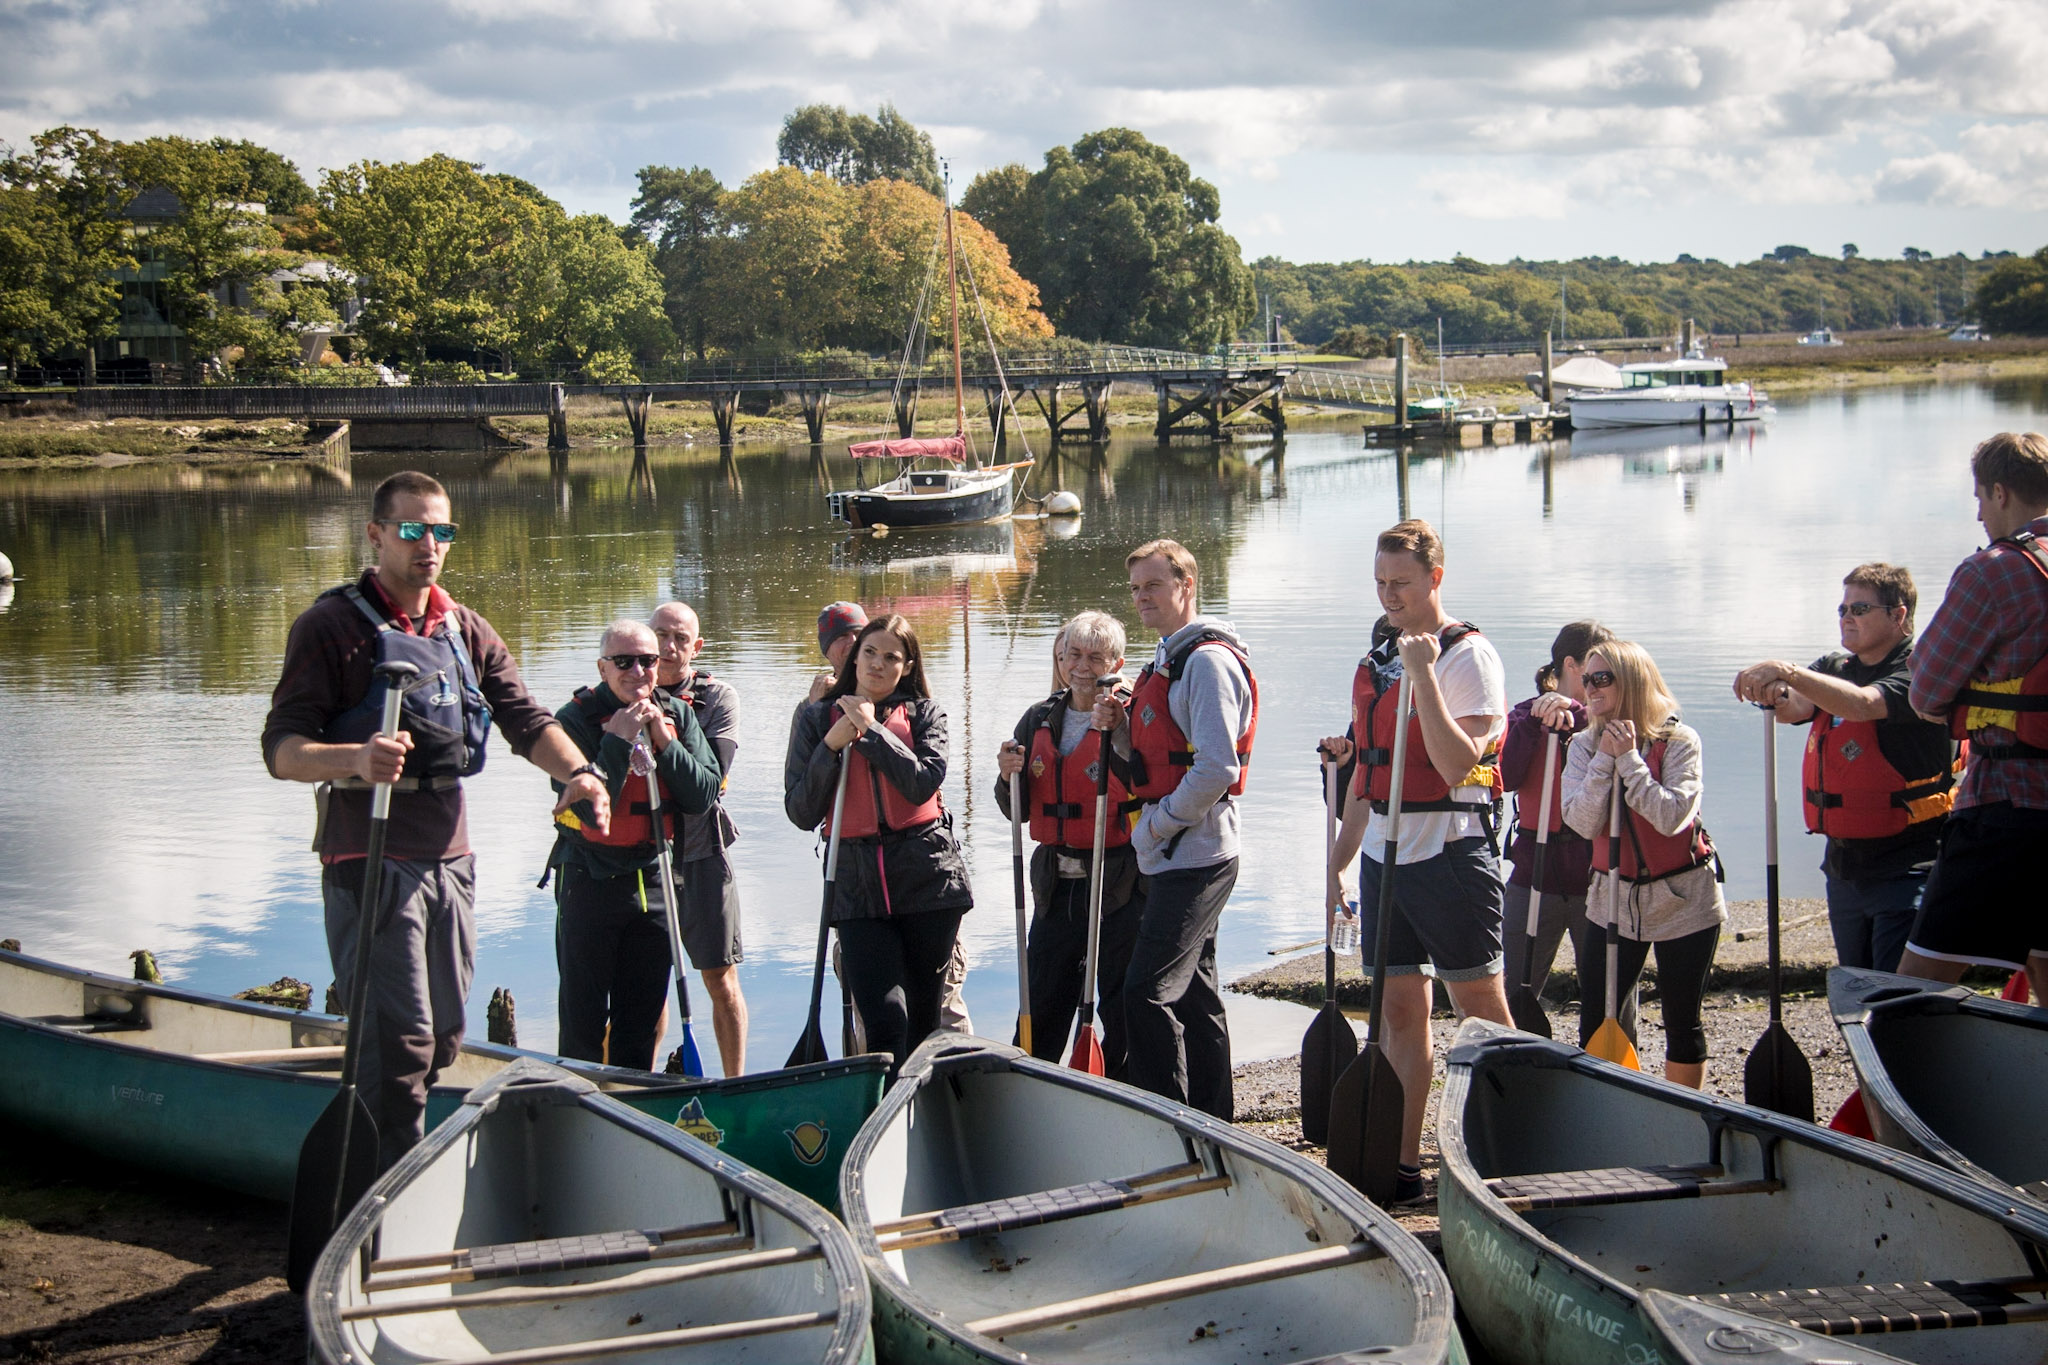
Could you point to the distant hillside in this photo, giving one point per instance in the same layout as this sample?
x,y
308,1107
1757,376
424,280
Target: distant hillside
x,y
1787,291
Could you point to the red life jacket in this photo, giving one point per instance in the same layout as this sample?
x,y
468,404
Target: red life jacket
x,y
1851,790
2019,705
1646,855
632,823
1060,788
1529,796
868,792
690,697
1372,729
1160,752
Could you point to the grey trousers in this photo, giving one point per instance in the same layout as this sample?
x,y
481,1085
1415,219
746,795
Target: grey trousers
x,y
421,962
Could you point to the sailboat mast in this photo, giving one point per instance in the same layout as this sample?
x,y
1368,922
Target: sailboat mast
x,y
953,291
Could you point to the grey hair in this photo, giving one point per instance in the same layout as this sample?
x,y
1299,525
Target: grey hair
x,y
625,624
1096,630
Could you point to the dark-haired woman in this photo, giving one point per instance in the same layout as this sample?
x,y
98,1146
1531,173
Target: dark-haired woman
x,y
901,886
1557,708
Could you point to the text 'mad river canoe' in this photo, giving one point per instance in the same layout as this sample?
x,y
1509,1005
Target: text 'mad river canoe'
x,y
1009,1210
1949,1075
546,1222
223,1091
1570,1186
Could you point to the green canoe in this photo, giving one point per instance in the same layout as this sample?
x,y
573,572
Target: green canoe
x,y
223,1091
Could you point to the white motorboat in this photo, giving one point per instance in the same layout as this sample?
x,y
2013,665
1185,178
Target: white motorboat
x,y
1820,336
1691,392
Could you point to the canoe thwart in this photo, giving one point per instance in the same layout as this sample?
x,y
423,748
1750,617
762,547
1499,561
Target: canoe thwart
x,y
1046,1206
1853,1309
1619,1185
89,1023
555,1254
618,1284
278,1056
1179,1287
650,1341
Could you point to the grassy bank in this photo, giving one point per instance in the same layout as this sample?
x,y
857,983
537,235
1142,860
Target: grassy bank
x,y
60,442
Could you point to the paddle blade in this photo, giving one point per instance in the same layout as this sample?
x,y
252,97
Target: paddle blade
x,y
1777,1077
1852,1118
809,1048
1610,1044
1366,1111
1528,1012
328,1158
686,1060
1087,1054
2017,989
1024,1031
1327,1049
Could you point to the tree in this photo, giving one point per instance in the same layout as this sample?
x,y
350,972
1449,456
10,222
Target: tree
x,y
1849,251
683,214
1122,242
1788,254
60,246
590,300
854,149
2013,297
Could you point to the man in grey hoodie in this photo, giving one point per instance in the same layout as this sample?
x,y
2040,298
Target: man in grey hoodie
x,y
1192,715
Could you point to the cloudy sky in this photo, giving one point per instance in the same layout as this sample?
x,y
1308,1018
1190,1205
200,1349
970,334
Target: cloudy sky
x,y
1336,129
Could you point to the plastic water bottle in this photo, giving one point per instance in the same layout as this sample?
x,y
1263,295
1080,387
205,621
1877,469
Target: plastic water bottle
x,y
1344,929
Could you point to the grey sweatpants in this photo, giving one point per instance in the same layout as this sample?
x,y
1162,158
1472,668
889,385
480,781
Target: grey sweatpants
x,y
421,962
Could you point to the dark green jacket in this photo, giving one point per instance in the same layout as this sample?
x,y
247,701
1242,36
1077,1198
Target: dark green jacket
x,y
687,768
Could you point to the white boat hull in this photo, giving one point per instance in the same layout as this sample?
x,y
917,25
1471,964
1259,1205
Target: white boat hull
x,y
1669,408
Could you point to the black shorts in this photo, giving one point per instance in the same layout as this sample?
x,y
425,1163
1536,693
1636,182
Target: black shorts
x,y
1446,913
1983,899
710,918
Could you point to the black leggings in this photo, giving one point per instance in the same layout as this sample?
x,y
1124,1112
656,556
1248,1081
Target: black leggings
x,y
1682,965
896,968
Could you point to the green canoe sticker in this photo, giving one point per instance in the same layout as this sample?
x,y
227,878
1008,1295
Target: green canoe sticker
x,y
809,1141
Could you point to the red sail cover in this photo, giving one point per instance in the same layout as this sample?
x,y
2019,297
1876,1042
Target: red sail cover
x,y
916,447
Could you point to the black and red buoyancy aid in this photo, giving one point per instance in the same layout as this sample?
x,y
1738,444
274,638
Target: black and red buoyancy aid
x,y
873,804
1850,790
632,824
1160,752
694,699
1646,855
1529,796
1375,698
1060,788
2018,705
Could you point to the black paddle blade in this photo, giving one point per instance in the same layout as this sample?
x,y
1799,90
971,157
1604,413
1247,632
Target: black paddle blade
x,y
323,1163
1528,1012
1365,1125
809,1048
1327,1049
1777,1076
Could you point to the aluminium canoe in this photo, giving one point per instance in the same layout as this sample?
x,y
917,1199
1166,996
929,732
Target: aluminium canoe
x,y
1698,1333
1571,1185
1009,1209
223,1091
1949,1075
545,1221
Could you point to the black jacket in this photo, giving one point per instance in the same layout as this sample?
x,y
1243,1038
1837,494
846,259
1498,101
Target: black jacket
x,y
900,874
687,768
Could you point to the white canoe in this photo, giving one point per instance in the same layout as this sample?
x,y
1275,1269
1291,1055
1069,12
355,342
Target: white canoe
x,y
1011,1210
546,1222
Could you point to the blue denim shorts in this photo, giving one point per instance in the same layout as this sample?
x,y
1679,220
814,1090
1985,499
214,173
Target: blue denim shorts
x,y
1446,913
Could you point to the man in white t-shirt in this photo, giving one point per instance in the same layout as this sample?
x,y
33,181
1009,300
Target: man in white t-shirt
x,y
1447,886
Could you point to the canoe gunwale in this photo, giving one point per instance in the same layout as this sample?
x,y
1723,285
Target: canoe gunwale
x,y
328,1342
930,1063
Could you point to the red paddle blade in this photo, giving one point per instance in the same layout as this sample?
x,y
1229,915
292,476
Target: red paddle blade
x,y
1087,1054
2016,989
1851,1118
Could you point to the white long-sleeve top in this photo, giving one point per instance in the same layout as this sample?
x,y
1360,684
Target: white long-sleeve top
x,y
1649,911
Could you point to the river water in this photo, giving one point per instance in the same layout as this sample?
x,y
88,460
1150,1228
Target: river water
x,y
138,650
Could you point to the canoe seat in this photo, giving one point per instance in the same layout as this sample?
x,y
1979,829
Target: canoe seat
x,y
547,1255
1619,1185
1045,1206
89,1023
1851,1309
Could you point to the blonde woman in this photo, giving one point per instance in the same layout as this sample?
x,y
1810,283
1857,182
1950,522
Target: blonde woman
x,y
1669,882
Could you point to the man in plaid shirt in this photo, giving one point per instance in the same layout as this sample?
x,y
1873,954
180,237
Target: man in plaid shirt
x,y
1987,645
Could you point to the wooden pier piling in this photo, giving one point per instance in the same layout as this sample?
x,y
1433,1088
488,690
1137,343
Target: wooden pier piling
x,y
1549,385
815,402
558,418
905,403
1401,405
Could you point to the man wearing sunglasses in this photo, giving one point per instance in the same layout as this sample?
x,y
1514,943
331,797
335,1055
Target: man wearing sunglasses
x,y
611,936
323,728
1876,779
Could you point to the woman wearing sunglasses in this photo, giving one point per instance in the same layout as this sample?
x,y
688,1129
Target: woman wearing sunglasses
x,y
901,886
1669,890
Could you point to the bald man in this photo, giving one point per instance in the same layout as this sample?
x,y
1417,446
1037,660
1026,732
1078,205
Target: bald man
x,y
709,900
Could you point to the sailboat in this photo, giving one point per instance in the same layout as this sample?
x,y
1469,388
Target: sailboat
x,y
940,481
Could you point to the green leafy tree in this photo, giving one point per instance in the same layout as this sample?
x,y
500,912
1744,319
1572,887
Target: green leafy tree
x,y
60,245
854,149
1121,240
682,213
2013,296
591,301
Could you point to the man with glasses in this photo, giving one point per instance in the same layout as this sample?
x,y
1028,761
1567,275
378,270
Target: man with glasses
x,y
323,726
611,936
1877,779
709,901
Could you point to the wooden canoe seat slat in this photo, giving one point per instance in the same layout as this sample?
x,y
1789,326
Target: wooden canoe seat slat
x,y
325,1055
1619,1185
553,1255
618,1284
1854,1309
1179,1287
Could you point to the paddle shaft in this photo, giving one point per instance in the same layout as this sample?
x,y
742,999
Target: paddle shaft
x,y
668,898
1613,898
1023,923
1542,852
395,677
825,909
1095,882
1330,795
1771,861
1383,935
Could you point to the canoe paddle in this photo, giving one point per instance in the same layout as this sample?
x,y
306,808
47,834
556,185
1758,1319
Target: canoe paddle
x,y
1528,1011
1023,923
1329,1046
684,1058
1777,1075
338,1159
810,1047
1609,1043
1367,1106
1087,1053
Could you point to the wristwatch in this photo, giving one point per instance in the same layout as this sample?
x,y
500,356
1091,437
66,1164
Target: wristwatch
x,y
590,768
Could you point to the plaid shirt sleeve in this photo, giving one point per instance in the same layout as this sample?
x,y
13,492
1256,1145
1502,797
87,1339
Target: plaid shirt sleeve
x,y
1957,641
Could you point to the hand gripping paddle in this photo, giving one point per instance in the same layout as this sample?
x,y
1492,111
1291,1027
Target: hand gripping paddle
x,y
1777,1075
1528,1011
1609,1043
1329,1046
685,1058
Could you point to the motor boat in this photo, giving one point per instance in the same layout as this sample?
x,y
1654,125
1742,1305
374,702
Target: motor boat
x,y
1691,392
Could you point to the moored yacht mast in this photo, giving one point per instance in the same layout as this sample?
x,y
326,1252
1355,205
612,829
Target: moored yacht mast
x,y
953,295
